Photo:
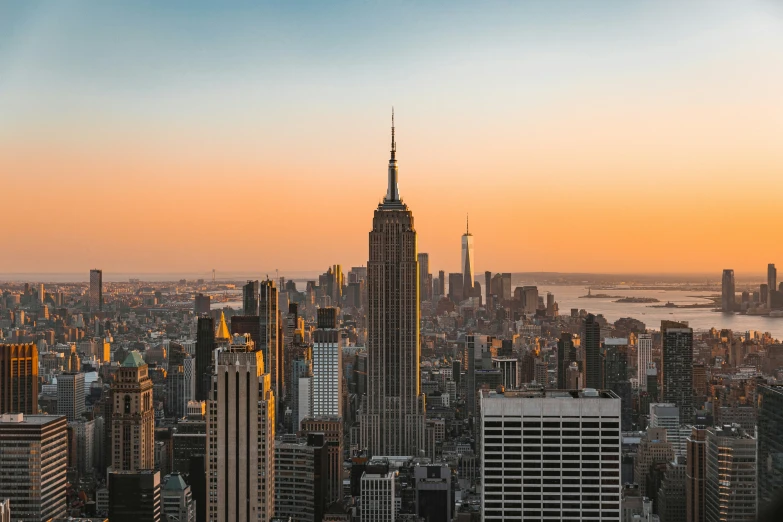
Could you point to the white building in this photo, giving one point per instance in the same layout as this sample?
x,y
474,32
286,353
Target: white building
x,y
327,366
550,455
667,416
70,395
377,497
644,358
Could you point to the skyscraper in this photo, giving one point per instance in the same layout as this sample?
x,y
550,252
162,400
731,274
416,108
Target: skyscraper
x,y
770,444
268,332
456,287
96,290
695,470
201,304
727,291
487,287
205,345
772,278
70,395
33,462
425,289
591,345
250,295
241,436
393,422
566,354
133,417
19,378
677,368
134,496
468,275
441,283
643,358
730,487
327,366
565,460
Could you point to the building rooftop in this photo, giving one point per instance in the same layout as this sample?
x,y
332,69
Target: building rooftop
x,y
133,360
175,483
20,418
587,393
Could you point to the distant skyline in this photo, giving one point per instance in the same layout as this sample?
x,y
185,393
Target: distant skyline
x,y
600,137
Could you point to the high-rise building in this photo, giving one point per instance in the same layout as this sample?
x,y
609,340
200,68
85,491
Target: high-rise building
x,y
271,342
134,496
487,286
19,378
33,463
177,504
96,290
772,278
770,443
730,488
240,436
301,368
301,487
393,421
332,430
653,448
425,289
591,347
456,286
70,395
468,261
205,347
643,358
677,368
133,417
505,286
441,283
327,366
615,375
476,345
433,492
377,493
695,471
250,298
667,416
201,304
728,297
577,458
84,434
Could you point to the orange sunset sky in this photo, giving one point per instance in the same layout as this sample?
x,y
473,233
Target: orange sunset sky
x,y
579,136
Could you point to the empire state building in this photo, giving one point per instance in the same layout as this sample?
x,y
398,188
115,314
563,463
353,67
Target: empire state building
x,y
392,421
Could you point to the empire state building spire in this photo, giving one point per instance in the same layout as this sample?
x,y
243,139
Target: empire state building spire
x,y
392,193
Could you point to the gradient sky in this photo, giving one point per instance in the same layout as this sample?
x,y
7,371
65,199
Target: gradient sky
x,y
580,136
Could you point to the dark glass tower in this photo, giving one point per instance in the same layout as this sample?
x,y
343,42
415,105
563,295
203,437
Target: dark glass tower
x,y
591,344
677,367
566,354
205,345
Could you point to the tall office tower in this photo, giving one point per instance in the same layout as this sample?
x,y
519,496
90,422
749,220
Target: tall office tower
x,y
591,347
424,273
506,286
677,368
433,492
33,462
332,430
393,422
667,416
301,487
70,395
695,470
96,290
764,294
730,491
770,443
476,345
653,448
728,297
175,392
205,346
133,416
176,500
240,436
84,434
250,297
441,283
327,366
487,286
615,375
189,391
268,332
301,368
468,275
247,324
568,455
772,278
134,496
19,378
671,494
41,293
377,493
201,304
643,358
456,284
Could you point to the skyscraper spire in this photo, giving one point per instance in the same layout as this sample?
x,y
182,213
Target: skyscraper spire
x,y
392,193
467,224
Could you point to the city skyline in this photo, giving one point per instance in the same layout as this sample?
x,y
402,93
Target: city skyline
x,y
131,128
